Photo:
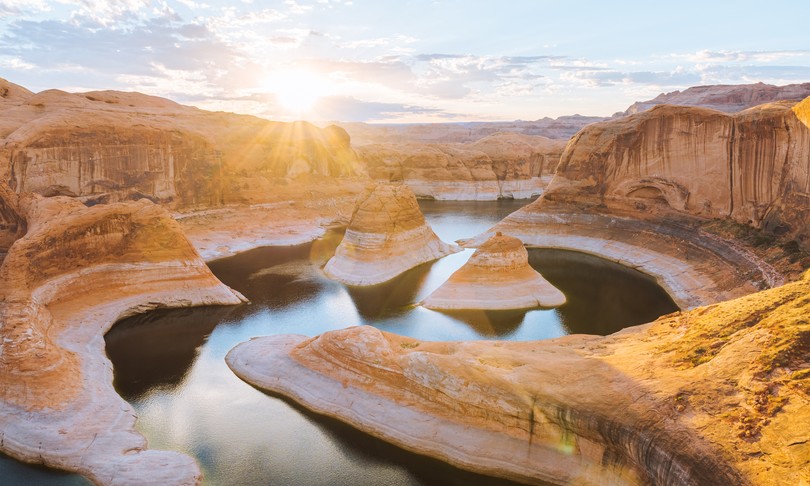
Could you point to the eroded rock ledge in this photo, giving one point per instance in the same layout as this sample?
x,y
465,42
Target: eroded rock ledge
x,y
387,235
695,267
717,395
74,273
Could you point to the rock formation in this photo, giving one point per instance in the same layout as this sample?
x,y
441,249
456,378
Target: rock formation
x,y
106,146
386,236
72,274
561,128
727,98
751,167
502,165
496,277
718,395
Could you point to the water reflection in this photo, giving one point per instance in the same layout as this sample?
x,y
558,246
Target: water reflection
x,y
490,323
603,296
157,349
392,298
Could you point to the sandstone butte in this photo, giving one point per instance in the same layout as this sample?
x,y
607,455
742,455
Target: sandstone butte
x,y
72,273
716,395
387,235
496,277
501,165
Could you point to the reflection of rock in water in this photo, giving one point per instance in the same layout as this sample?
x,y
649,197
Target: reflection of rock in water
x,y
158,348
623,299
497,323
287,276
360,446
386,299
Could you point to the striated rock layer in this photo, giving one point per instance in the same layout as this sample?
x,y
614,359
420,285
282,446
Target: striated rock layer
x,y
387,235
718,395
496,277
729,98
106,146
75,272
502,165
694,267
752,167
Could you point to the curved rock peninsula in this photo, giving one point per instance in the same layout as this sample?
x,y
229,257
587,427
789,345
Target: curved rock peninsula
x,y
67,279
387,235
692,398
496,277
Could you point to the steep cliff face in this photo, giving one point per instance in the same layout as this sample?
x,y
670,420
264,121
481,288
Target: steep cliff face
x,y
106,146
751,166
503,165
727,98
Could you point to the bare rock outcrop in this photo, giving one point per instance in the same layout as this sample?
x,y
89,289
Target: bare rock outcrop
x,y
561,128
502,165
718,395
73,273
752,167
496,277
105,146
726,98
387,235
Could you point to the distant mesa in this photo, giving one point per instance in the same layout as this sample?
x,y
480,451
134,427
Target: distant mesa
x,y
496,277
725,98
387,235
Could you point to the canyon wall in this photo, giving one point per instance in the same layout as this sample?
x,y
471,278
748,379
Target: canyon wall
x,y
502,165
107,146
752,167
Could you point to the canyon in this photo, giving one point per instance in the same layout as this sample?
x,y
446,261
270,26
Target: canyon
x,y
111,202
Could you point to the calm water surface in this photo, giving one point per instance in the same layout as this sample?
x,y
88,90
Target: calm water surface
x,y
170,364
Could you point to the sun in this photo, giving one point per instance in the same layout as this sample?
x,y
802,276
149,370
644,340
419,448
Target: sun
x,y
296,90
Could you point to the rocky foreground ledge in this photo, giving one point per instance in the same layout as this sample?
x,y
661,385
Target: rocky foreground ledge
x,y
72,274
717,395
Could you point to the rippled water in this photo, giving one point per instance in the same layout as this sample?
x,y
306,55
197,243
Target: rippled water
x,y
170,364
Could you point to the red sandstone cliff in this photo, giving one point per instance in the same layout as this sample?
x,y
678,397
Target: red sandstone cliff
x,y
106,146
752,167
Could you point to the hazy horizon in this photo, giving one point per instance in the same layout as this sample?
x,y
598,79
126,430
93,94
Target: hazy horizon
x,y
414,61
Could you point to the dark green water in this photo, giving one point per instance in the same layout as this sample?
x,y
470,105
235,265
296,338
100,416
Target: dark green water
x,y
170,364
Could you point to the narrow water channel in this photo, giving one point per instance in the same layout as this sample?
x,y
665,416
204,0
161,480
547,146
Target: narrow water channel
x,y
170,364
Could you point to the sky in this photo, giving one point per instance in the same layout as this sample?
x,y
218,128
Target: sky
x,y
402,61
